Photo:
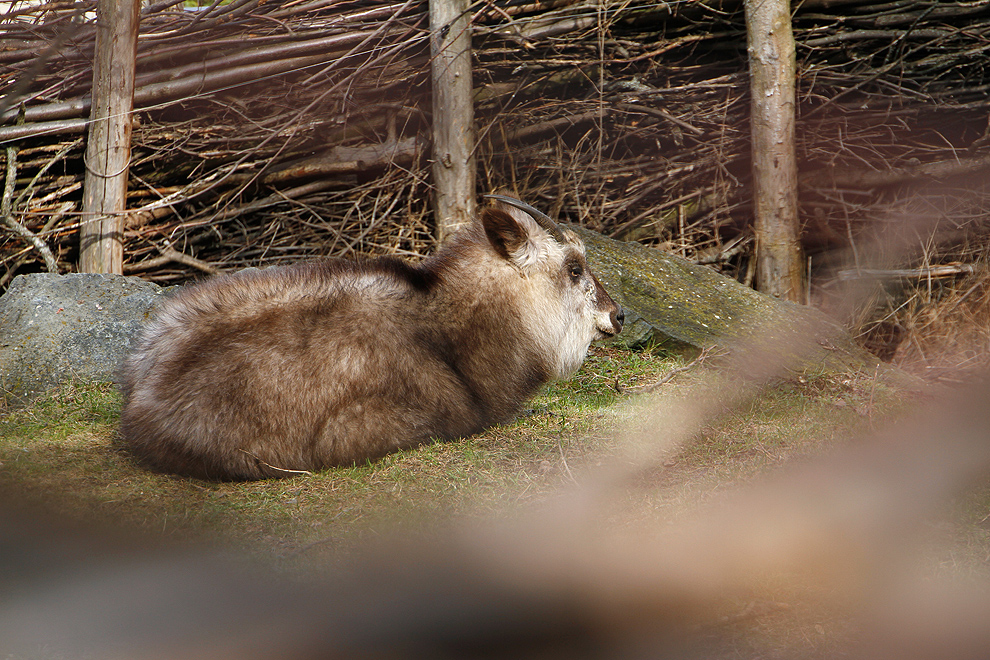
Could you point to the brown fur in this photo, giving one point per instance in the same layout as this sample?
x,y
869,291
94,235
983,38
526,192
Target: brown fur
x,y
262,373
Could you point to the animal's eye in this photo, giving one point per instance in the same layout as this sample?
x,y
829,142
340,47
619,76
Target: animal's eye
x,y
576,271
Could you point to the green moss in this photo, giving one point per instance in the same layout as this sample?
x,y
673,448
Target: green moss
x,y
683,307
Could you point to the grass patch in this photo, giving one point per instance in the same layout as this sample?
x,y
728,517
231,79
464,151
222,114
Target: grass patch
x,y
61,450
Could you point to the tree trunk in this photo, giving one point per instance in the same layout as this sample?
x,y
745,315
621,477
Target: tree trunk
x,y
453,115
780,259
108,149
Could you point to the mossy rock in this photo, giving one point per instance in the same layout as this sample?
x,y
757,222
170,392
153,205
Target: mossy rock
x,y
674,304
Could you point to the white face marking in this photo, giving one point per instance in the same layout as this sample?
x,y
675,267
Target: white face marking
x,y
562,313
567,316
587,324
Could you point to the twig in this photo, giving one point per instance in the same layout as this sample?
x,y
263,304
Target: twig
x,y
534,130
277,469
851,178
6,213
948,270
563,460
170,255
635,107
646,389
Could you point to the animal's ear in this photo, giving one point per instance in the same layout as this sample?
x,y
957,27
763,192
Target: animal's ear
x,y
505,234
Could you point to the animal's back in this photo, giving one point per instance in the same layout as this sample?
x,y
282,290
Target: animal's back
x,y
265,372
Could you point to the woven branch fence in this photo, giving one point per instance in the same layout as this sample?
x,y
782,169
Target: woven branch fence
x,y
269,132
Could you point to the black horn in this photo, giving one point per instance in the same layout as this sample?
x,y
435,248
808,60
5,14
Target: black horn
x,y
541,218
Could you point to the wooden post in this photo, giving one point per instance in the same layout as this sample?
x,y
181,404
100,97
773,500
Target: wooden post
x,y
453,115
108,149
772,69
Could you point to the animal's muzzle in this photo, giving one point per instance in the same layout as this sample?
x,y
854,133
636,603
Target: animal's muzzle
x,y
617,318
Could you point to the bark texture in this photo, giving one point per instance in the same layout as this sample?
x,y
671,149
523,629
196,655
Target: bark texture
x,y
453,115
108,151
780,260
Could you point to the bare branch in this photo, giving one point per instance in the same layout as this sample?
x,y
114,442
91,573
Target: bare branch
x,y
7,213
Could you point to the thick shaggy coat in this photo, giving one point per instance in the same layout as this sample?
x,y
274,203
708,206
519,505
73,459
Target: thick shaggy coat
x,y
266,372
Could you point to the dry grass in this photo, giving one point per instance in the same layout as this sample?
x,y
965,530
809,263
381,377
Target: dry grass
x,y
936,328
947,326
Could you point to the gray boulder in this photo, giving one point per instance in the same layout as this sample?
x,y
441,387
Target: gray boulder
x,y
54,328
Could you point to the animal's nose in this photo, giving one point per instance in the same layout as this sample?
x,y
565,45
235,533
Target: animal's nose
x,y
618,318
